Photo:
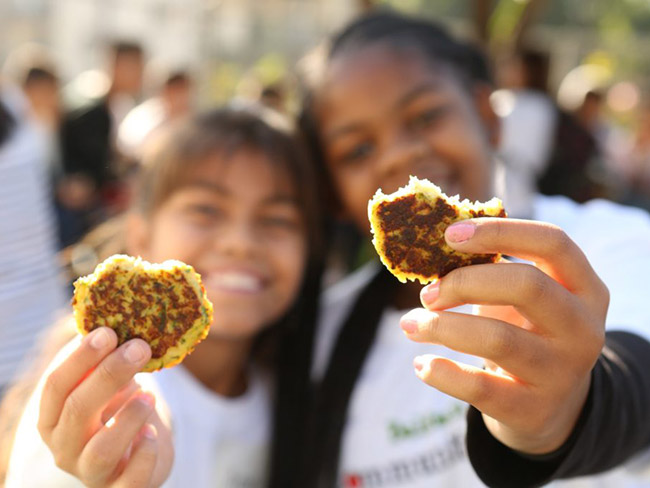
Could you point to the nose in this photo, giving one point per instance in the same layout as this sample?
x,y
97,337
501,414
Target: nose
x,y
399,155
236,239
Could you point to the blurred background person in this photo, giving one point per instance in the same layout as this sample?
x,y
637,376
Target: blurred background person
x,y
529,120
274,96
637,164
30,289
173,94
32,68
94,188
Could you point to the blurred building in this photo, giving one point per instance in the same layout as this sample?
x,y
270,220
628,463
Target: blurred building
x,y
195,34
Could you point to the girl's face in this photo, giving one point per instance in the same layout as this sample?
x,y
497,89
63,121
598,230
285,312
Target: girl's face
x,y
386,114
238,223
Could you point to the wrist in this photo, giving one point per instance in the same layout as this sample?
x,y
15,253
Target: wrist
x,y
548,436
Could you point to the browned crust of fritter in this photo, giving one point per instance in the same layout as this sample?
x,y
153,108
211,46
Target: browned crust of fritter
x,y
163,331
413,232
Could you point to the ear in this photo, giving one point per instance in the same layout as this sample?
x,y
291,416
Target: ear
x,y
137,238
490,119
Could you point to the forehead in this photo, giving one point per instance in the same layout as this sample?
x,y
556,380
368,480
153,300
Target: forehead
x,y
375,77
247,171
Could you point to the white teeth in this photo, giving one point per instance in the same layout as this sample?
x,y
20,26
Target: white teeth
x,y
234,281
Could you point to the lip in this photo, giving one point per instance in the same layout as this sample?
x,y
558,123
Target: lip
x,y
234,280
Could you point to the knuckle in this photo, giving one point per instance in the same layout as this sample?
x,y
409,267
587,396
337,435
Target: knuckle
x,y
108,375
429,325
60,460
557,240
97,462
454,283
603,296
497,228
52,387
74,408
535,284
503,342
481,392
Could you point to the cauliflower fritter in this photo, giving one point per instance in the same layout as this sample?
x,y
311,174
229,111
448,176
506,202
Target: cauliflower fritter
x,y
163,304
408,229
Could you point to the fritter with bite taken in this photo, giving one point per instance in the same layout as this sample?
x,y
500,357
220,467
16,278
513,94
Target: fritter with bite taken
x,y
409,230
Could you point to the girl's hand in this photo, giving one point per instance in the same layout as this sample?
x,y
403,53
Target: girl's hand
x,y
540,329
97,422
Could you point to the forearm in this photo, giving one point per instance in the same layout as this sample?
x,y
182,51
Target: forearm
x,y
612,428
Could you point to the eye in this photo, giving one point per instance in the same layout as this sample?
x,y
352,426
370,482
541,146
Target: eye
x,y
279,222
204,212
427,118
358,152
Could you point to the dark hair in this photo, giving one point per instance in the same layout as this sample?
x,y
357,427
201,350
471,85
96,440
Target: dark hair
x,y
468,64
536,66
123,47
177,78
37,74
7,123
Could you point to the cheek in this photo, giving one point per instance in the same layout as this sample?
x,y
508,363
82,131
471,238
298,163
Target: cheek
x,y
467,150
174,239
288,257
354,188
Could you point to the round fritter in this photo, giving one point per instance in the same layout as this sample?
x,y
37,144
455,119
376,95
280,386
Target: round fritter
x,y
409,225
163,304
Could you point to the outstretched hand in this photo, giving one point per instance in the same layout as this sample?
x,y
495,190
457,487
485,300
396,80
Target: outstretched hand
x,y
540,327
97,422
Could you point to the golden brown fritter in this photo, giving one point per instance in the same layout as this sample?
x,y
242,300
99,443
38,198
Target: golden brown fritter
x,y
163,304
409,227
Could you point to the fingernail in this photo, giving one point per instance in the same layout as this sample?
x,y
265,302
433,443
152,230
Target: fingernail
x,y
418,363
134,352
100,339
409,325
149,431
460,232
429,293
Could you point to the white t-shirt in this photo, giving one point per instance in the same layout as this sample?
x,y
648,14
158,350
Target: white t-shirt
x,y
528,122
401,433
218,442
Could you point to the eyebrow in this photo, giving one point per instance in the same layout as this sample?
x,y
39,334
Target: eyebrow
x,y
275,199
422,89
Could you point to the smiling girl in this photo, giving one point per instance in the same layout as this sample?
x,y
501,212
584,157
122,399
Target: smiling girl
x,y
395,97
231,195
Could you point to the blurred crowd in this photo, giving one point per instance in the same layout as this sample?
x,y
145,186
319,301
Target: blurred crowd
x,y
93,144
91,131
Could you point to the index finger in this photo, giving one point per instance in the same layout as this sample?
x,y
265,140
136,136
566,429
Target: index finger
x,y
65,378
547,245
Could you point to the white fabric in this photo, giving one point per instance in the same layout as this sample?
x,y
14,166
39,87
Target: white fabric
x,y
528,122
401,433
30,290
219,442
139,125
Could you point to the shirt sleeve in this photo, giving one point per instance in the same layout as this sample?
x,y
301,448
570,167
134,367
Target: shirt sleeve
x,y
612,428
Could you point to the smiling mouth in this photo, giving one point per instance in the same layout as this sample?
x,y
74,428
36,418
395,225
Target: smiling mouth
x,y
234,282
